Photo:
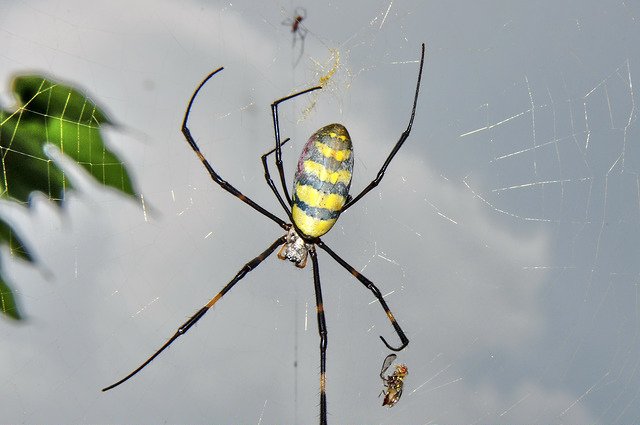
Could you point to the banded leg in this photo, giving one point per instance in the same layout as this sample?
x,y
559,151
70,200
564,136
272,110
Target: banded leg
x,y
193,319
376,292
322,330
276,129
274,189
215,176
396,148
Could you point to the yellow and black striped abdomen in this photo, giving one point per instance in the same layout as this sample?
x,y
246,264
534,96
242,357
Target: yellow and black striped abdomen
x,y
322,180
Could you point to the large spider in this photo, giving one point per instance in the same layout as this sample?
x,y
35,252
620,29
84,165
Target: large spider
x,y
320,194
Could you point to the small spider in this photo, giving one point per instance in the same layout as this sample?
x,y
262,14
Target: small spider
x,y
298,30
296,22
320,194
299,15
393,383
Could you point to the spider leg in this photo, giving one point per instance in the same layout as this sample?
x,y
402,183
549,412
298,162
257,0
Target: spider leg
x,y
276,129
322,330
396,148
215,176
193,319
267,176
302,32
376,292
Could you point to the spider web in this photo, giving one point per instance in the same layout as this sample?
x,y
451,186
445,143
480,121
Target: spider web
x,y
503,235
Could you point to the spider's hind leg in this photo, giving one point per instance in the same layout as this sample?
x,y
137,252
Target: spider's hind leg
x,y
322,330
251,265
376,292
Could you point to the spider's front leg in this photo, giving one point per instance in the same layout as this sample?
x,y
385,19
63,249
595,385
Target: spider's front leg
x,y
214,175
276,129
270,183
403,137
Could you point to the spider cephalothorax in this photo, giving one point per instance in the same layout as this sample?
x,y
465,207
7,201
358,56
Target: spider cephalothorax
x,y
295,249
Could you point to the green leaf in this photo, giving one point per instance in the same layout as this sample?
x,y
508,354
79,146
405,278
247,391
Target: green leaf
x,y
48,98
48,112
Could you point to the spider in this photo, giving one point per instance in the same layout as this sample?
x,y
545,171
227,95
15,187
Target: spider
x,y
299,15
298,30
320,194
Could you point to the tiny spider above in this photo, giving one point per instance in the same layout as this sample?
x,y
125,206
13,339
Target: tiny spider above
x,y
295,23
298,30
320,194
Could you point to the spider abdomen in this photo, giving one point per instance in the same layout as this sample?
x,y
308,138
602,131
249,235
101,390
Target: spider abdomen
x,y
322,180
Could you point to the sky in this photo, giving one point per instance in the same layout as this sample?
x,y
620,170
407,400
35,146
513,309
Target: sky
x,y
503,235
